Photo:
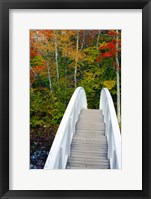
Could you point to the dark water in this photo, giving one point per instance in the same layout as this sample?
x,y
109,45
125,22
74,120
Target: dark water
x,y
38,156
40,146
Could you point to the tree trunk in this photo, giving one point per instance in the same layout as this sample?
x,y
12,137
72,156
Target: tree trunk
x,y
97,43
56,56
31,82
83,40
65,77
49,78
98,37
76,61
118,81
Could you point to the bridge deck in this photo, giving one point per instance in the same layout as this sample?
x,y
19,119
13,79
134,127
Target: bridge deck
x,y
89,144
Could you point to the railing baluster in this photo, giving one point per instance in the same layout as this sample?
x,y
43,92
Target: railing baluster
x,y
60,158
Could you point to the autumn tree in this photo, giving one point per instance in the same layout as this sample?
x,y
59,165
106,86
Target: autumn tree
x,y
111,49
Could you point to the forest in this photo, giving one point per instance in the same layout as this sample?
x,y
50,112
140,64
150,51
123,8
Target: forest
x,y
60,61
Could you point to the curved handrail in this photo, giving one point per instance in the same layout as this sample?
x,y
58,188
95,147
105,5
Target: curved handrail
x,y
112,129
60,149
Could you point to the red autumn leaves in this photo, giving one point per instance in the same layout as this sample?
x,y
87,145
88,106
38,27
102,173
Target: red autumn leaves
x,y
36,70
112,33
109,49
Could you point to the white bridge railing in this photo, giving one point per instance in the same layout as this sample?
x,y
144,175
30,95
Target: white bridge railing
x,y
112,129
60,149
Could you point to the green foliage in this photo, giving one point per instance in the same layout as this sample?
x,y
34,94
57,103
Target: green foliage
x,y
37,60
45,109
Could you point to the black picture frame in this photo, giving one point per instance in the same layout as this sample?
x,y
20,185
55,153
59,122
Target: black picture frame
x,y
5,5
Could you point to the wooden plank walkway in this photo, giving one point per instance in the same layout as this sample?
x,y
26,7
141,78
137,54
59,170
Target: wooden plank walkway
x,y
89,144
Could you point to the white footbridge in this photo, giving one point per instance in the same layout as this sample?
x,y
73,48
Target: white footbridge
x,y
87,138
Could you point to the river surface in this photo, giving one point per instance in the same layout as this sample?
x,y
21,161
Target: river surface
x,y
38,156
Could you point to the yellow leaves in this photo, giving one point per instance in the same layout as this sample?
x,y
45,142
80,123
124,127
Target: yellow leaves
x,y
91,54
80,55
32,34
69,51
109,84
103,44
43,48
89,59
64,37
90,76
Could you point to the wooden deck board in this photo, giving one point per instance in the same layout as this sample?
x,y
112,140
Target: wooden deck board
x,y
89,144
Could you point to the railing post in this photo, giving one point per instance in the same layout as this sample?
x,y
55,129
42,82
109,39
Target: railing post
x,y
60,158
109,140
69,137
